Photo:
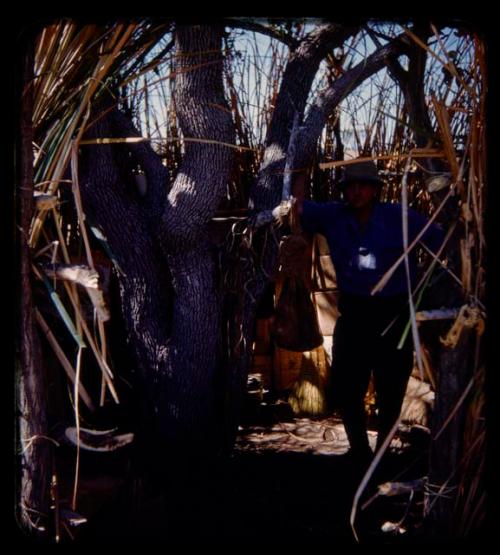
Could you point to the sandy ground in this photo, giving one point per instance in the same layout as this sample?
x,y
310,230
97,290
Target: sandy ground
x,y
324,436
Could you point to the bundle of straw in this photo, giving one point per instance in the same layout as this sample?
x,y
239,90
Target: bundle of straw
x,y
308,391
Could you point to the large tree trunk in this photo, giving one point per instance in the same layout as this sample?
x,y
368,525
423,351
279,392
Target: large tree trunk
x,y
33,445
195,195
169,298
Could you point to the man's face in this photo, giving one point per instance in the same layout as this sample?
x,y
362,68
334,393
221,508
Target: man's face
x,y
360,194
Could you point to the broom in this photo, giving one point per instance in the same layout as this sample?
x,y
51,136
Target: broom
x,y
295,327
308,391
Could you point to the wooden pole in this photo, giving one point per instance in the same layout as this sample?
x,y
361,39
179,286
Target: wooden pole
x,y
33,446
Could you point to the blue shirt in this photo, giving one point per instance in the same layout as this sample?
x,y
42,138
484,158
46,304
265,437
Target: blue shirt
x,y
362,256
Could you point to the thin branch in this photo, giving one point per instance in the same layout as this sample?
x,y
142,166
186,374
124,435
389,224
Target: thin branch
x,y
237,23
152,63
330,98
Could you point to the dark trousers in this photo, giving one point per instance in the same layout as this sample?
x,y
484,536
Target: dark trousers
x,y
359,348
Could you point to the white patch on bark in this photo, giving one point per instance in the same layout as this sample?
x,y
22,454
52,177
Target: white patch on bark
x,y
272,154
183,186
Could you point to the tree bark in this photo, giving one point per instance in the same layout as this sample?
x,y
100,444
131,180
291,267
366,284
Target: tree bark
x,y
329,99
193,199
168,292
294,90
33,445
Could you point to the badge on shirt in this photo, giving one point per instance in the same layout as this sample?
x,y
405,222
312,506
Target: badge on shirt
x,y
366,259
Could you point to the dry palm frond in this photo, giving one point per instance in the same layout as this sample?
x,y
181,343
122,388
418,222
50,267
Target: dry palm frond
x,y
413,320
368,474
77,421
88,278
415,153
73,64
470,509
385,278
446,137
68,368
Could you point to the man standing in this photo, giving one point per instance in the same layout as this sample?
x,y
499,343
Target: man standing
x,y
365,238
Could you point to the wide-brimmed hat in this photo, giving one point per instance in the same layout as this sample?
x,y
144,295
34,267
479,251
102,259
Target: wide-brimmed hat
x,y
360,171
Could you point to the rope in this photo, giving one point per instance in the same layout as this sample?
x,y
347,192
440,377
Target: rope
x,y
468,317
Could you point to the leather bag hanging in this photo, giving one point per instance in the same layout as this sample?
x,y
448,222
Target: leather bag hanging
x,y
295,324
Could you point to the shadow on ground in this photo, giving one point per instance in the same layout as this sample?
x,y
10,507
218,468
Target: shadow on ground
x,y
287,482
